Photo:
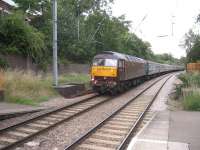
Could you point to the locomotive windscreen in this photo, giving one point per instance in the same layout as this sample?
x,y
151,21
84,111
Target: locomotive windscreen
x,y
105,62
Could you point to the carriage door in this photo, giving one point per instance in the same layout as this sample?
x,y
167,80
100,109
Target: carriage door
x,y
121,69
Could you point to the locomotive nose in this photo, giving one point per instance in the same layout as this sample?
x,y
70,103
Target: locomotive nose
x,y
103,71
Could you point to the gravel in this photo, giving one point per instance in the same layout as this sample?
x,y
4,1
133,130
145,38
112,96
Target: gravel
x,y
60,101
52,104
62,135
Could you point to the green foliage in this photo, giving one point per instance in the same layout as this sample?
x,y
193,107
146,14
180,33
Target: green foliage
x,y
190,91
23,101
17,36
32,6
74,78
190,79
182,61
178,92
190,39
3,64
194,54
192,102
98,31
192,45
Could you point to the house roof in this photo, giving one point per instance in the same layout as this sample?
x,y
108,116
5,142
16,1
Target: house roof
x,y
10,2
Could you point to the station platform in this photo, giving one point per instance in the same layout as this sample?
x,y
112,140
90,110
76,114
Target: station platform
x,y
8,110
168,130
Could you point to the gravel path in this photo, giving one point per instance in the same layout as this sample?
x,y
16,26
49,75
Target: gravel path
x,y
66,133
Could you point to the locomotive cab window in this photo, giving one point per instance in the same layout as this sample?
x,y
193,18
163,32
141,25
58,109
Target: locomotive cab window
x,y
121,63
105,62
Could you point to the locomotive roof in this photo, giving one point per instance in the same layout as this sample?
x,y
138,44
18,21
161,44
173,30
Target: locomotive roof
x,y
116,55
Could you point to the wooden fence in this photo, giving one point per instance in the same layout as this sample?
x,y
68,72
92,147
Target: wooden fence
x,y
193,67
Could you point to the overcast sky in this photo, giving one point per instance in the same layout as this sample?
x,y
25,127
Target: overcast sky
x,y
157,16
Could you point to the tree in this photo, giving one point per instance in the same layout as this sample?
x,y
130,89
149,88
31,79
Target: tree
x,y
182,60
85,28
17,36
33,7
190,39
194,54
192,44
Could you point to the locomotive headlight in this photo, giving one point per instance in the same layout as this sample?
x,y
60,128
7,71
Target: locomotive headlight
x,y
95,81
92,78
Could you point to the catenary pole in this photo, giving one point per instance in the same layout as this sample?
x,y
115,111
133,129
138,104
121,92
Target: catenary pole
x,y
78,21
55,59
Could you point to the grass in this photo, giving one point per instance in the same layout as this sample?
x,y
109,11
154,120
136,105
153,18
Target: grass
x,y
31,89
192,102
190,91
74,78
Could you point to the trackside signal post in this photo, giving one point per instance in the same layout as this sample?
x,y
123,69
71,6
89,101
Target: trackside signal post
x,y
55,57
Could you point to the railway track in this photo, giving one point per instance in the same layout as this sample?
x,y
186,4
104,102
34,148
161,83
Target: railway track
x,y
115,131
19,133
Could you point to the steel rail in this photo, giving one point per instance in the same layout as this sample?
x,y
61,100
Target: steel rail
x,y
139,120
46,113
88,133
18,142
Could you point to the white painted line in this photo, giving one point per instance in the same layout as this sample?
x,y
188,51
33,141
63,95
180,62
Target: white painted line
x,y
178,146
152,141
135,139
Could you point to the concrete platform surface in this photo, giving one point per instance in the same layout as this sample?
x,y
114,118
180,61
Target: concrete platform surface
x,y
155,136
185,127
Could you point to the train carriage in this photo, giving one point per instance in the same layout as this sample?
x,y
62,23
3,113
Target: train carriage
x,y
116,72
153,68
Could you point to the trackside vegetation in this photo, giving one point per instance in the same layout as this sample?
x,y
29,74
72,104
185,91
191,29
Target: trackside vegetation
x,y
192,101
190,91
31,89
27,31
85,28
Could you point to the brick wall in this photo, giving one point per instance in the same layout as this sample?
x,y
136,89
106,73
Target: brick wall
x,y
72,68
19,62
23,63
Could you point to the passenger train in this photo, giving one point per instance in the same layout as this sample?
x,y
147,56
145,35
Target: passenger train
x,y
114,72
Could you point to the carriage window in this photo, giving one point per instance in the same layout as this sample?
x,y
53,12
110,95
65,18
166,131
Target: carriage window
x,y
105,62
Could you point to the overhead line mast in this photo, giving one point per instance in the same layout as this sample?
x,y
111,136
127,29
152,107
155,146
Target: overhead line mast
x,y
55,55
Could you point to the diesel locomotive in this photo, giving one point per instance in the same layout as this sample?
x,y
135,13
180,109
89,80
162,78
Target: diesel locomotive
x,y
115,72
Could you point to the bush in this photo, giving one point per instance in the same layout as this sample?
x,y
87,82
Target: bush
x,y
178,92
17,36
190,91
190,79
192,102
3,63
